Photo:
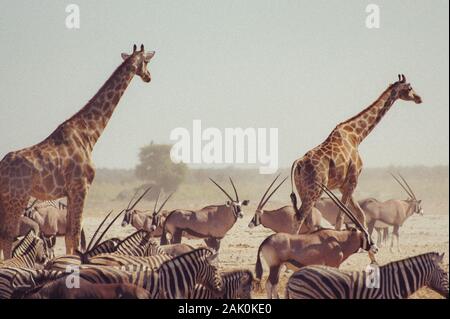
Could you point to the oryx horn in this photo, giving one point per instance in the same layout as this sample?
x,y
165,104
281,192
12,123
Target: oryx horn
x,y
97,230
235,191
346,211
220,187
273,192
164,203
407,185
403,186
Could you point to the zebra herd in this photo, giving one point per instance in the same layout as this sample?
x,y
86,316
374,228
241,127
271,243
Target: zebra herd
x,y
140,267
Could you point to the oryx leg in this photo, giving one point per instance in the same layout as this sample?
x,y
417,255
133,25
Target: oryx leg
x,y
395,233
177,236
272,282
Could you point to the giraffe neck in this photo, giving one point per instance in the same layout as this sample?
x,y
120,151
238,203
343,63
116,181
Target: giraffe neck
x,y
92,119
364,122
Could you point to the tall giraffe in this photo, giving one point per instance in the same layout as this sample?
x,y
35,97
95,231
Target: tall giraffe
x,y
336,162
61,165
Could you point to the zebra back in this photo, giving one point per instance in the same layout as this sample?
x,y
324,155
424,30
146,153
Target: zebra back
x,y
63,263
117,260
139,244
146,279
179,276
396,280
237,284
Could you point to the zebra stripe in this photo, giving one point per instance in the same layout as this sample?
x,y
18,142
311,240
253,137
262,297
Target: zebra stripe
x,y
237,284
146,279
27,253
64,262
397,280
179,276
139,244
176,278
21,276
117,260
23,244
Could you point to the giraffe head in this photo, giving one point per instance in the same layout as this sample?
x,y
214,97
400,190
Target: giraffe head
x,y
140,59
405,91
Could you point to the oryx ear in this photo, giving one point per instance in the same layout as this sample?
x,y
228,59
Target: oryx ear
x,y
228,203
125,56
245,202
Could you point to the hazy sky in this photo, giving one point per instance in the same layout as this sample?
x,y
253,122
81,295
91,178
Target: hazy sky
x,y
301,66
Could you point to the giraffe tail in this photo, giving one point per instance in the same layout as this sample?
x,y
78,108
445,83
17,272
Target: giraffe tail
x,y
293,196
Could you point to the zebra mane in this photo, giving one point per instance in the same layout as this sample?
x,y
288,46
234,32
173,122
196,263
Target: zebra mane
x,y
237,272
199,252
427,256
23,246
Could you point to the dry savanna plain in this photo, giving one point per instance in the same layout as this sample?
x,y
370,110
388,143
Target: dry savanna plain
x,y
419,234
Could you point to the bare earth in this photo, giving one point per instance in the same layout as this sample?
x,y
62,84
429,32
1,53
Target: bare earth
x,y
420,234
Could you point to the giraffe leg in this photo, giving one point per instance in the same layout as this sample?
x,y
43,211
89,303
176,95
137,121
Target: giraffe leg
x,y
359,213
304,211
75,205
12,209
340,215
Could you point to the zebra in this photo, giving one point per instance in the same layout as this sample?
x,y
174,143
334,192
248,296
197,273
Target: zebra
x,y
397,280
179,276
29,251
11,278
64,262
237,284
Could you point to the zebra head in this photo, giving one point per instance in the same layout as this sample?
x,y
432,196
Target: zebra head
x,y
245,285
210,276
438,280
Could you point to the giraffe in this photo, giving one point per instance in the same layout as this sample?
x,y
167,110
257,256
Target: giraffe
x,y
336,162
61,165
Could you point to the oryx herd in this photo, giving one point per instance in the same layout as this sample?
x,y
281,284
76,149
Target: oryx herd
x,y
146,263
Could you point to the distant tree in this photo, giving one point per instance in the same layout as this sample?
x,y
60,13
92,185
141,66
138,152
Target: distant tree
x,y
156,168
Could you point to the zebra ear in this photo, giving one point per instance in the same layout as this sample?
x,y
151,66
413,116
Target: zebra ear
x,y
213,259
244,279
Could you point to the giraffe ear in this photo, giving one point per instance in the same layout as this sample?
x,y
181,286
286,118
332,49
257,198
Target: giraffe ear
x,y
148,55
125,56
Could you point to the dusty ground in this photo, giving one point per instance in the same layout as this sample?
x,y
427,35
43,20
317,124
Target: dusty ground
x,y
420,234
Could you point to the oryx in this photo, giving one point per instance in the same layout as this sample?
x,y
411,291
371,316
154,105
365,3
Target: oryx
x,y
211,222
282,220
393,212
